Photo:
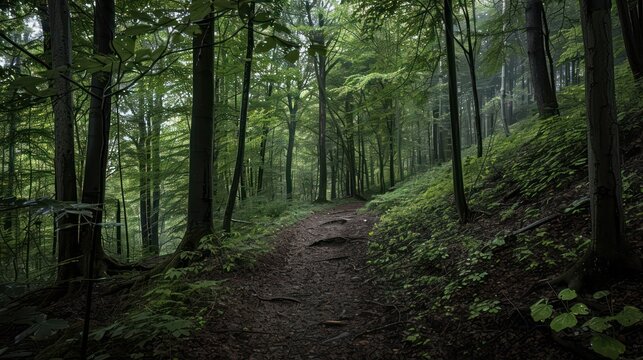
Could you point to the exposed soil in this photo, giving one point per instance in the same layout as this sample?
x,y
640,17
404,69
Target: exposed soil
x,y
311,298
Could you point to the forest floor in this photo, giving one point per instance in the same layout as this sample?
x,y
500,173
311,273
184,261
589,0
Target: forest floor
x,y
310,298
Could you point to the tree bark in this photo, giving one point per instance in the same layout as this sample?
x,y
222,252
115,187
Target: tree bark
x,y
630,15
544,91
458,181
97,144
243,118
293,106
199,219
320,63
65,168
610,254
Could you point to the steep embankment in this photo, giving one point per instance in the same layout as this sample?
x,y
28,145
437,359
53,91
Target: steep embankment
x,y
469,288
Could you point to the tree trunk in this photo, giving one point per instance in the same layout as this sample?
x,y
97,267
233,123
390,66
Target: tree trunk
x,y
503,80
544,91
243,118
458,182
199,219
156,175
119,232
143,173
293,105
97,144
68,246
610,255
630,15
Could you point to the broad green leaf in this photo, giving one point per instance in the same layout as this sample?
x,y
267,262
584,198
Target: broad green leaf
x,y
541,311
579,309
281,28
199,9
292,56
600,294
262,17
597,324
225,4
563,321
138,29
315,49
266,45
567,294
629,316
124,47
607,346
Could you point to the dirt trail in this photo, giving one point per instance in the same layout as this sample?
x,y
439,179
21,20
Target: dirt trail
x,y
307,299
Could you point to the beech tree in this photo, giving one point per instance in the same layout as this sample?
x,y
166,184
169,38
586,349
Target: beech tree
x,y
630,14
65,169
199,219
541,76
610,254
458,181
243,120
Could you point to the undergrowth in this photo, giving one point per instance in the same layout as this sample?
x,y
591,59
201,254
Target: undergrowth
x,y
447,273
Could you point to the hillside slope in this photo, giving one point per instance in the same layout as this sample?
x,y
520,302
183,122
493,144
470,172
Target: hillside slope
x,y
469,288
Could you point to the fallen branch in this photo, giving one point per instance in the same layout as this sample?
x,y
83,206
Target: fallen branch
x,y
243,222
340,336
334,323
545,220
277,298
334,258
378,329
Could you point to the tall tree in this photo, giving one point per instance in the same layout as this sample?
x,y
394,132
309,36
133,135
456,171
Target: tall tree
x,y
97,143
243,119
469,51
199,220
320,44
544,88
65,169
630,14
610,253
458,181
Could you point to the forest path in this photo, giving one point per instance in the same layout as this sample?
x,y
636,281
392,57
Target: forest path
x,y
308,299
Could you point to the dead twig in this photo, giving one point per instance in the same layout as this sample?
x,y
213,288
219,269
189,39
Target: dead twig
x,y
378,329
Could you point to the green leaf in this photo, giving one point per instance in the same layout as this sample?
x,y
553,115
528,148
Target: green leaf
x,y
541,311
563,321
281,28
225,4
567,294
600,294
607,346
266,45
629,316
315,49
292,56
124,47
597,324
138,29
579,309
262,17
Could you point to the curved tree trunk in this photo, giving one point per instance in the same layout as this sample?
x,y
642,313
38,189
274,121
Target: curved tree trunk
x,y
243,119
